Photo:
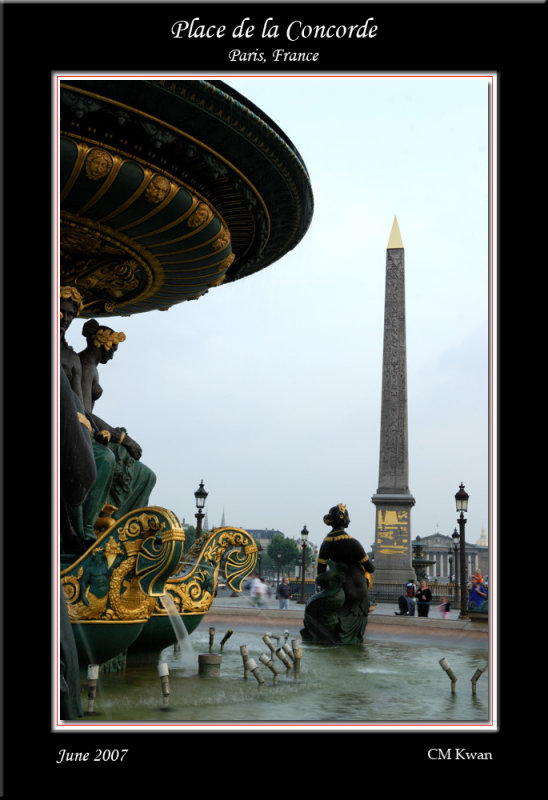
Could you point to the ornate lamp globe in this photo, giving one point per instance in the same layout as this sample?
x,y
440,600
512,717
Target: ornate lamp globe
x,y
461,500
201,495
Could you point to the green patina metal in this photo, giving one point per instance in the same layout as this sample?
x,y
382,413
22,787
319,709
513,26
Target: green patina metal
x,y
167,189
111,589
170,188
228,552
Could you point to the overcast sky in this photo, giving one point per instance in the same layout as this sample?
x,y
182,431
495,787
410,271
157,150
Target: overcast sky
x,y
269,388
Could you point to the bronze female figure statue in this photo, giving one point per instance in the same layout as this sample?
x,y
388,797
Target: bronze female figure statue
x,y
132,481
338,613
121,481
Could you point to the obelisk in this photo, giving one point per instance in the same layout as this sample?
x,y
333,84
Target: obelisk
x,y
393,501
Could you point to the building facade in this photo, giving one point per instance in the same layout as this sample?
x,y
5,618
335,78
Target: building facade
x,y
440,548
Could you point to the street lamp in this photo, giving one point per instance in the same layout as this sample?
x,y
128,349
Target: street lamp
x,y
461,500
260,557
450,559
455,538
279,557
304,539
200,494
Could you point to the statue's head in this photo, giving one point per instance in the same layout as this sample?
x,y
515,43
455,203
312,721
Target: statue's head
x,y
70,306
103,338
337,517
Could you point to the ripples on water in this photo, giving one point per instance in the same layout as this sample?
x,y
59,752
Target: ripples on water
x,y
376,682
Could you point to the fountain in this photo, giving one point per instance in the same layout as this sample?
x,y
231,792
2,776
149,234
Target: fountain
x,y
133,588
184,648
119,205
381,681
419,562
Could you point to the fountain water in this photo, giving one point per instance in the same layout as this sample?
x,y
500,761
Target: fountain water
x,y
186,657
381,681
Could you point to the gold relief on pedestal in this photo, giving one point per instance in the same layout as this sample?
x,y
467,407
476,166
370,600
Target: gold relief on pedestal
x,y
392,531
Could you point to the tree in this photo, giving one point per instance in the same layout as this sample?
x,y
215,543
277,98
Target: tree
x,y
190,537
288,551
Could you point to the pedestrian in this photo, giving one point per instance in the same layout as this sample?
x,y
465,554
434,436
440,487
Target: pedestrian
x,y
402,602
478,592
410,591
283,593
424,598
258,591
444,607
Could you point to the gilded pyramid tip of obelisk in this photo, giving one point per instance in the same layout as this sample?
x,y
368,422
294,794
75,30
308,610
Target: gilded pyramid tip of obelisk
x,y
395,241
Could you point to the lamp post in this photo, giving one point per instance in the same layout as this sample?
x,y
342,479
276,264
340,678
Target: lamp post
x,y
455,538
304,539
260,557
461,500
450,559
200,494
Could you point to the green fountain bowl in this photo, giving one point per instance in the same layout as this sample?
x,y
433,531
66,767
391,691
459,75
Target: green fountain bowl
x,y
98,642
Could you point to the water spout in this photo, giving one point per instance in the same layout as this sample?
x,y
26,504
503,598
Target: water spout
x,y
297,657
282,655
287,650
476,676
93,674
244,650
266,659
252,664
163,672
445,666
225,638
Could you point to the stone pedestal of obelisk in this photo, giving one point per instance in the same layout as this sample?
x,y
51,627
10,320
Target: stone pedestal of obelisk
x,y
393,501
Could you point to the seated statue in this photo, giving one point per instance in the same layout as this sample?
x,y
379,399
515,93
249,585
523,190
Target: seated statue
x,y
131,481
338,613
76,537
121,481
77,475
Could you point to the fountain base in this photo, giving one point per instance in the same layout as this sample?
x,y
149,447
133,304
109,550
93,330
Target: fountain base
x,y
209,665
